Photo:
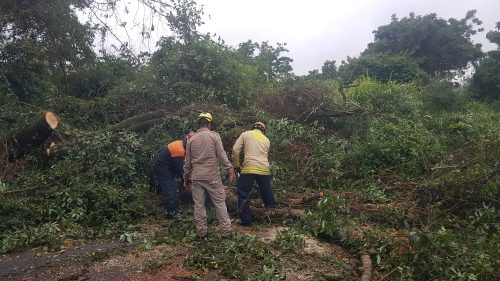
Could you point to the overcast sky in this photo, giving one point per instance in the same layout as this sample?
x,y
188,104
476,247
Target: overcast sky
x,y
316,30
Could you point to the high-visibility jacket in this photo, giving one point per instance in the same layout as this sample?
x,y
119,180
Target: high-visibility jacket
x,y
256,149
170,161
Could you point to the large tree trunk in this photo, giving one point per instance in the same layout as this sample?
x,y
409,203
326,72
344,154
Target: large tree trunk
x,y
134,123
34,136
294,209
267,214
143,126
260,213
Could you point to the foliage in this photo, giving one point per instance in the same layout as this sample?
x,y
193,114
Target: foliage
x,y
25,71
289,241
297,101
42,40
446,162
382,67
98,78
329,70
271,64
386,99
184,18
485,82
438,46
228,256
203,70
464,251
441,96
99,186
409,167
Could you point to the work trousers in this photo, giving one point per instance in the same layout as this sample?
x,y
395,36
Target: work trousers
x,y
215,189
168,187
245,183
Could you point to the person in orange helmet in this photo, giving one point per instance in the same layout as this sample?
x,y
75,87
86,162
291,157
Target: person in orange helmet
x,y
168,166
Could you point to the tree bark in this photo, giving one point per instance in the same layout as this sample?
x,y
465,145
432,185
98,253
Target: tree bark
x,y
34,136
267,214
134,121
260,213
143,126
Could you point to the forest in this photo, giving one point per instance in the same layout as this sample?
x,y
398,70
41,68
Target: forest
x,y
384,162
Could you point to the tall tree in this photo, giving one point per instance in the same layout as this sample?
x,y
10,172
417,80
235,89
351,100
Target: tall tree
x,y
40,40
486,80
399,68
439,46
329,70
272,64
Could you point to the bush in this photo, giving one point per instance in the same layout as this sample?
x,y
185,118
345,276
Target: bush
x,y
441,96
100,185
400,145
383,68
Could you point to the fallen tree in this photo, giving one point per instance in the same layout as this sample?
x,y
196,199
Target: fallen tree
x,y
259,212
294,205
139,122
143,126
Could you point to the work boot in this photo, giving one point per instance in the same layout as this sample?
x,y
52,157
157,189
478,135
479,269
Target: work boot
x,y
172,214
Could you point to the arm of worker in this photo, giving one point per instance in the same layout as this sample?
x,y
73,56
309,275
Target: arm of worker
x,y
223,160
237,147
187,167
179,167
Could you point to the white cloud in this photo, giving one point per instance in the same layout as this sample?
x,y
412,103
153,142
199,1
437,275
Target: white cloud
x,y
317,31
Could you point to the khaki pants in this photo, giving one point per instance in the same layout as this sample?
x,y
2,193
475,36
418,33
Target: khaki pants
x,y
217,194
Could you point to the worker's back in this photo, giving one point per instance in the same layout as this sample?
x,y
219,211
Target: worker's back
x,y
256,148
170,159
205,155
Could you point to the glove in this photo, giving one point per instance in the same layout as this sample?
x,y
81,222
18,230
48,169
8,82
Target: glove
x,y
232,175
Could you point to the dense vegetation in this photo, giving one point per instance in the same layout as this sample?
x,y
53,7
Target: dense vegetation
x,y
409,161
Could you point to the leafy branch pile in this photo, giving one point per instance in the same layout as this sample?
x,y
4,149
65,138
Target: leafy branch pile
x,y
407,160
419,187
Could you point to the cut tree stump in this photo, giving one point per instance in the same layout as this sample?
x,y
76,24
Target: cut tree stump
x,y
34,136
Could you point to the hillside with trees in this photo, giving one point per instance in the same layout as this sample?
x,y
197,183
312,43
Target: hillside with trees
x,y
385,163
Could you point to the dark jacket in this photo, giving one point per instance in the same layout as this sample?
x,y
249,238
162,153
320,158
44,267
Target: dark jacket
x,y
170,161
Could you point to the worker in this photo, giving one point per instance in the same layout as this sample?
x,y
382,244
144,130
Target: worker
x,y
169,166
204,155
255,146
